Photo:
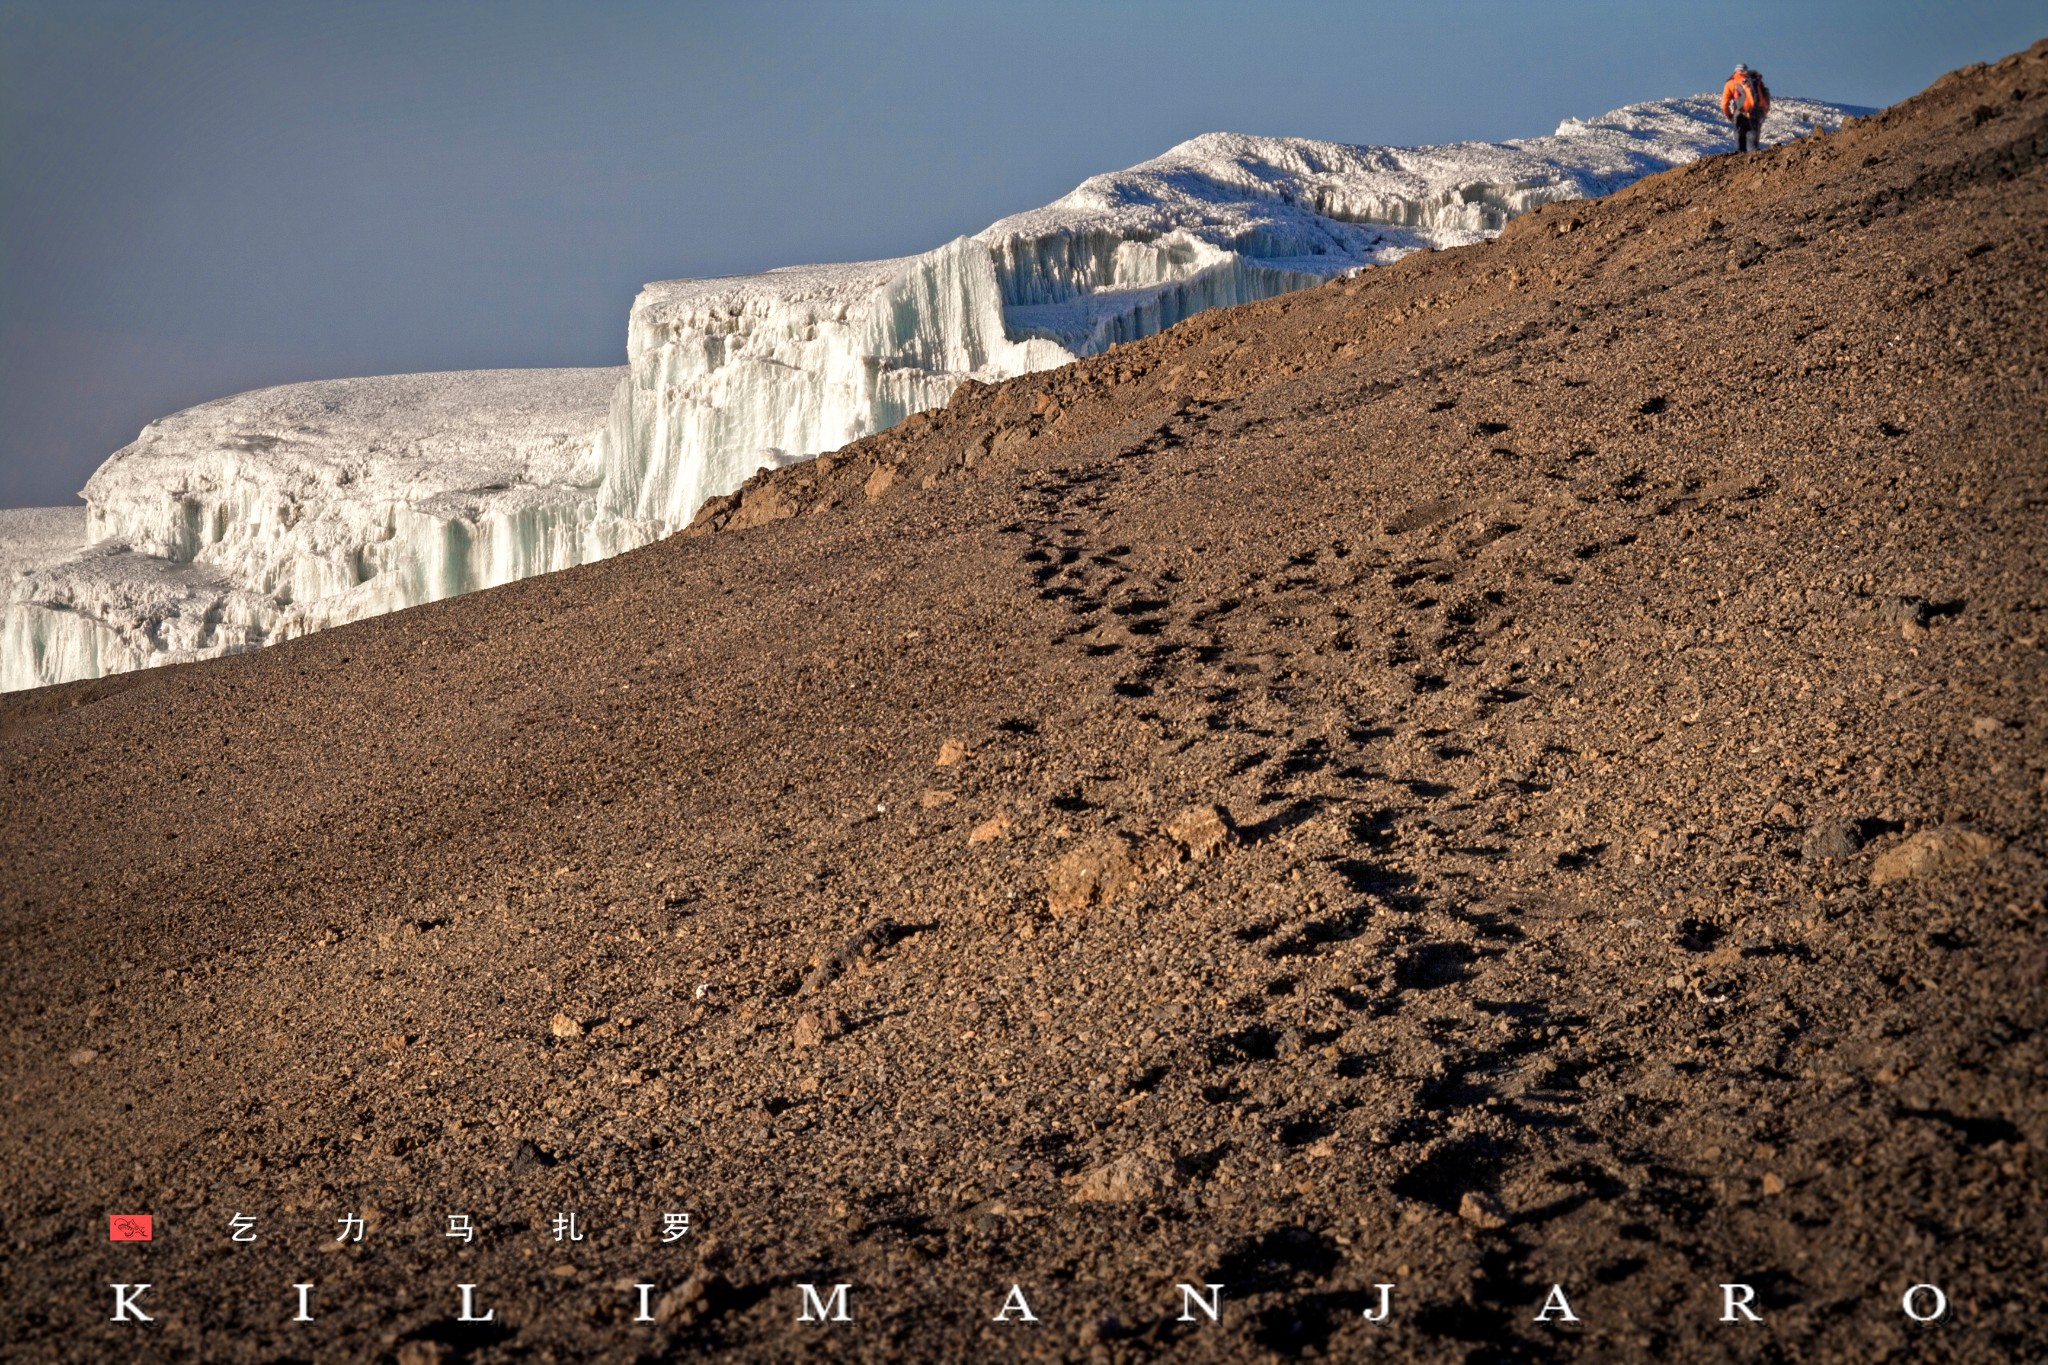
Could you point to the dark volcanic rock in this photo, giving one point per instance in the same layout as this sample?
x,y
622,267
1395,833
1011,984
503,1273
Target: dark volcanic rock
x,y
1832,839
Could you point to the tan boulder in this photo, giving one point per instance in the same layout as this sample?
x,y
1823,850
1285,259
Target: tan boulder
x,y
1201,830
1932,852
1124,1180
763,503
1104,868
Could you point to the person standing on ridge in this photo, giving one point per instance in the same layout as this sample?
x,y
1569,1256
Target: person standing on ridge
x,y
1746,99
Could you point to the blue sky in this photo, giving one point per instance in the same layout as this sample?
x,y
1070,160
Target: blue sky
x,y
201,198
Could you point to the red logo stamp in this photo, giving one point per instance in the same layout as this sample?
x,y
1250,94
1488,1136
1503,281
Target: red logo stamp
x,y
130,1227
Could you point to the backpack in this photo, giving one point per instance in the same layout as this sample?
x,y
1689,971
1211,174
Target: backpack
x,y
1738,100
1759,97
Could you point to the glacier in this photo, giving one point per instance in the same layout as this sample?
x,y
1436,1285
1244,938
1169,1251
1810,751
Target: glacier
x,y
260,517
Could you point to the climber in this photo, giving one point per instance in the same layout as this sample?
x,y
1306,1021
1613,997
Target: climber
x,y
1746,99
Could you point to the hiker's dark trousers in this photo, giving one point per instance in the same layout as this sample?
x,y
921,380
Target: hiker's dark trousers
x,y
1749,133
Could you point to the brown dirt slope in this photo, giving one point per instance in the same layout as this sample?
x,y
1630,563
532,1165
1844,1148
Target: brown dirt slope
x,y
1524,767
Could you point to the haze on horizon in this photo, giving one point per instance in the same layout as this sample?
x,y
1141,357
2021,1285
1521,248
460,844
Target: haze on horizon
x,y
223,196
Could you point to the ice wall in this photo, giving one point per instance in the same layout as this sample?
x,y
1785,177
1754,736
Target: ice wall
x,y
263,516
256,518
728,376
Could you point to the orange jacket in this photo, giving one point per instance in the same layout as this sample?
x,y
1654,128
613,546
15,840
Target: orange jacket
x,y
1744,94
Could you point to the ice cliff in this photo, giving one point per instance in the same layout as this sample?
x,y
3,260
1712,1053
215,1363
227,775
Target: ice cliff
x,y
263,516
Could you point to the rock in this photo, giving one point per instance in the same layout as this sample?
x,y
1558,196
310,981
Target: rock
x,y
1908,613
1986,727
1781,813
1902,611
1482,1210
713,515
1831,840
995,827
880,482
932,797
1931,852
83,1056
1088,874
816,1028
763,503
692,1299
420,1352
828,964
563,1026
1102,869
951,752
1201,830
1570,854
1125,1180
528,1156
1773,1183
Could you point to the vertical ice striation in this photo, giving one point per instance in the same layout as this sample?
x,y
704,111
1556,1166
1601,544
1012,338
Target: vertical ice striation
x,y
256,518
728,376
